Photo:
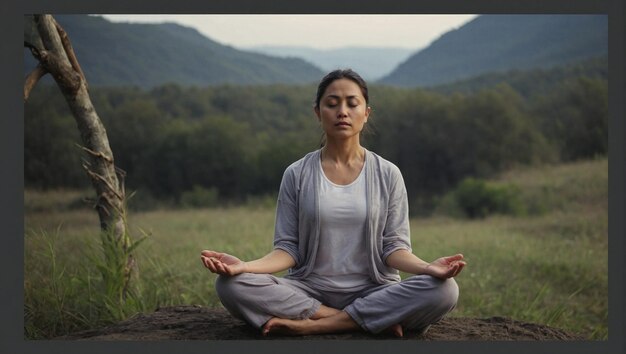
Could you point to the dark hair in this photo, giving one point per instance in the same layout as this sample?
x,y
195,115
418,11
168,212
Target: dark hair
x,y
340,74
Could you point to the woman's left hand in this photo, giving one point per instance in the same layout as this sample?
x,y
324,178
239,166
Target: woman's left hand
x,y
446,267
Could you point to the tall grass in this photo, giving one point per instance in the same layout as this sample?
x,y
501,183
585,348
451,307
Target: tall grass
x,y
69,262
550,268
94,287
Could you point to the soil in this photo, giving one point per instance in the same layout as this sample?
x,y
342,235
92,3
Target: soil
x,y
201,323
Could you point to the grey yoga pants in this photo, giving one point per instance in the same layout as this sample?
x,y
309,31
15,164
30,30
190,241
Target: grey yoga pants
x,y
415,302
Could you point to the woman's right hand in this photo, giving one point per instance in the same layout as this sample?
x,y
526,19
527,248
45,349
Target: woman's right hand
x,y
222,263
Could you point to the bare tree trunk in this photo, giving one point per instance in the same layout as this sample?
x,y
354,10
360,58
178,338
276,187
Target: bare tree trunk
x,y
55,60
51,46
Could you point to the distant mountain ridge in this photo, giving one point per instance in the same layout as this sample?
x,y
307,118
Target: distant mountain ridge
x,y
504,42
530,82
371,63
149,55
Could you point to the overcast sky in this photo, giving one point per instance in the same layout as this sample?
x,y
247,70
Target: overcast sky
x,y
317,31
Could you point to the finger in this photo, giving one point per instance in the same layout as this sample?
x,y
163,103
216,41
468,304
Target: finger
x,y
212,265
456,257
207,263
453,269
216,263
460,268
228,270
459,263
209,253
221,267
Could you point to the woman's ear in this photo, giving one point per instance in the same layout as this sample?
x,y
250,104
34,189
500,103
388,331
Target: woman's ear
x,y
317,113
367,113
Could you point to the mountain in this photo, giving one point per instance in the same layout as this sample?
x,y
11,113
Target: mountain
x,y
148,55
530,82
504,42
371,63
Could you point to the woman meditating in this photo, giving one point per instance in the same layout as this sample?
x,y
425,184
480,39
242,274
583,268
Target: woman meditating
x,y
342,230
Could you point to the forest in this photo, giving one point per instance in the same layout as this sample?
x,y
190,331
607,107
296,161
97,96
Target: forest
x,y
200,146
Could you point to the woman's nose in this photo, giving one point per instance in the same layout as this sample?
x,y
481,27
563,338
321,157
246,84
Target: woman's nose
x,y
343,110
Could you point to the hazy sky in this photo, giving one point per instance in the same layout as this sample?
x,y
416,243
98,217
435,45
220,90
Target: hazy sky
x,y
317,31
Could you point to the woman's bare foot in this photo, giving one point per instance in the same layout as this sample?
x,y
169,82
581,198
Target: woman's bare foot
x,y
339,322
396,330
289,327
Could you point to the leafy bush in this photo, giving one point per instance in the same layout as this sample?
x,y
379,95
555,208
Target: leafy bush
x,y
477,199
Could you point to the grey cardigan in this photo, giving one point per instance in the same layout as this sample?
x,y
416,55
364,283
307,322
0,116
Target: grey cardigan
x,y
297,227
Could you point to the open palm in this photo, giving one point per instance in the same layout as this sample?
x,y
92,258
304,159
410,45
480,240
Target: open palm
x,y
222,263
446,267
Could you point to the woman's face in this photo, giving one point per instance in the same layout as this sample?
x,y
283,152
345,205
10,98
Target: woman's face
x,y
342,110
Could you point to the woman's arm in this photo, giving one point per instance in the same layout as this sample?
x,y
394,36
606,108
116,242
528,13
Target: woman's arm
x,y
273,262
396,229
444,267
226,264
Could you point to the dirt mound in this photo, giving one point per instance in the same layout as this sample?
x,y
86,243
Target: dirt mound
x,y
196,322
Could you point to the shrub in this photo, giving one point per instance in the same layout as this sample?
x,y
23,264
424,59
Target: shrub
x,y
477,199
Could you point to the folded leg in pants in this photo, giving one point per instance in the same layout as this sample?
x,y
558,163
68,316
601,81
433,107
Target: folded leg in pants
x,y
415,303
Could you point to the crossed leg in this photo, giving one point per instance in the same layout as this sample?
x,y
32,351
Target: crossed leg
x,y
415,303
325,320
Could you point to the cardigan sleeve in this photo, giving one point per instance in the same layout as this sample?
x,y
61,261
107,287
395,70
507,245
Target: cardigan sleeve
x,y
286,226
396,234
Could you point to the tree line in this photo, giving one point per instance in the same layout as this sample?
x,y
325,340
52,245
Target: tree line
x,y
234,142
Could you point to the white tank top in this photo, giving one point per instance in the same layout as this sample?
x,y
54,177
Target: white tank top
x,y
341,262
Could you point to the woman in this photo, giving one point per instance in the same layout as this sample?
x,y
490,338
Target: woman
x,y
342,230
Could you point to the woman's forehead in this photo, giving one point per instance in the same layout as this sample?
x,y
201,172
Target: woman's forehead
x,y
343,88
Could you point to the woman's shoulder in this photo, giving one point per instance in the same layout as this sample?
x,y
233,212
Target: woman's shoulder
x,y
296,167
383,165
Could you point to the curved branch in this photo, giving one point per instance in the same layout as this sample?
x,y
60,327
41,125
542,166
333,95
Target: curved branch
x,y
53,57
32,79
69,50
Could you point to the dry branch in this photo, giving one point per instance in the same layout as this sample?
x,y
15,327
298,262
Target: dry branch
x,y
32,79
99,178
96,154
54,58
69,51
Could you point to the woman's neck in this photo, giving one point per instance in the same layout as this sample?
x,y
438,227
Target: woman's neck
x,y
343,152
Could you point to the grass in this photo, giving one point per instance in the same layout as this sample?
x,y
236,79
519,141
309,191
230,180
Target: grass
x,y
550,268
530,274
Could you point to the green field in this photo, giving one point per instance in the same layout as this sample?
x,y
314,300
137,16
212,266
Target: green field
x,y
549,268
